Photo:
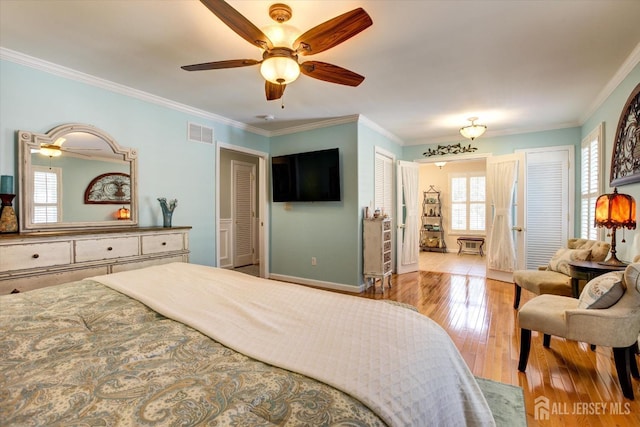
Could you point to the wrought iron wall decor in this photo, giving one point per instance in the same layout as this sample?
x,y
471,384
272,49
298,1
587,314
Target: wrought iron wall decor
x,y
109,188
625,161
449,149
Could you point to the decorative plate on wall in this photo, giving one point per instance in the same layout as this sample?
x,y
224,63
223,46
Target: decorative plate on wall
x,y
625,161
109,188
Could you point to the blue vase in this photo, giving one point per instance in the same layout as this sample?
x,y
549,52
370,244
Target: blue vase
x,y
167,210
166,218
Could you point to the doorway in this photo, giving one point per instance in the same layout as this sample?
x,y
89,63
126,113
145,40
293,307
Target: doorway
x,y
548,165
241,209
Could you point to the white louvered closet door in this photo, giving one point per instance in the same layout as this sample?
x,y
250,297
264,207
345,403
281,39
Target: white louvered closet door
x,y
384,196
243,212
548,200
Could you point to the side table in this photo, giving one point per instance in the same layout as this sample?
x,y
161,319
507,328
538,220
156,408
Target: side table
x,y
587,270
477,242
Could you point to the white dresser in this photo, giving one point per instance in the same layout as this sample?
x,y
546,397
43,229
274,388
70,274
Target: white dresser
x,y
39,259
376,248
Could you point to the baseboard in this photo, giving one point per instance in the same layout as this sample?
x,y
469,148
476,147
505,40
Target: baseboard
x,y
317,283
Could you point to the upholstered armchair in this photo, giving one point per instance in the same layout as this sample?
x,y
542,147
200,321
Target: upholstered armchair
x,y
554,278
606,314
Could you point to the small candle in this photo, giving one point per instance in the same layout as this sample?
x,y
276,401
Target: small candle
x,y
6,184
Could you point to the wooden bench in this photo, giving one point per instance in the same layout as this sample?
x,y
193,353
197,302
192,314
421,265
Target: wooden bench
x,y
477,247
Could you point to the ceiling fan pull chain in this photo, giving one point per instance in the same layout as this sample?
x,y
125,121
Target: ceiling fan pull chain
x,y
282,97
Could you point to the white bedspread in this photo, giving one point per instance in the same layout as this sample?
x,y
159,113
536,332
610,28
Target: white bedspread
x,y
398,362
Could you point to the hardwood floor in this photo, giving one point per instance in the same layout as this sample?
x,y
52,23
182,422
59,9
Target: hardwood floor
x,y
576,385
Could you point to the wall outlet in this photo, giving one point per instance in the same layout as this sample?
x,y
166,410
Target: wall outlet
x,y
314,261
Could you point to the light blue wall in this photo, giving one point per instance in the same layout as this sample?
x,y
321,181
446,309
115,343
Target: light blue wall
x,y
500,145
609,114
368,140
168,165
325,230
172,167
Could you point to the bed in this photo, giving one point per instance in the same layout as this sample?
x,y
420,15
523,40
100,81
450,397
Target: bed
x,y
185,344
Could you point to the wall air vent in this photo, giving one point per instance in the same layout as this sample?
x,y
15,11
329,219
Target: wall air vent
x,y
199,133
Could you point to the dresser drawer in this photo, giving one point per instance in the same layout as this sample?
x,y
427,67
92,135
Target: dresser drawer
x,y
34,255
99,249
162,243
28,283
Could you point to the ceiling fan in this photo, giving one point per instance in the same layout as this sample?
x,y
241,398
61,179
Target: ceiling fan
x,y
279,65
56,149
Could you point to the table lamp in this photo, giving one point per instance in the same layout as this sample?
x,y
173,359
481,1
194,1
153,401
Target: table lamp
x,y
615,211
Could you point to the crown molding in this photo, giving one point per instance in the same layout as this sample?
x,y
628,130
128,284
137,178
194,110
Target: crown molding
x,y
71,74
68,73
627,66
324,123
382,131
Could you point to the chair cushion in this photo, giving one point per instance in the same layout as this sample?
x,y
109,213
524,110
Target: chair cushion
x,y
543,282
603,291
560,261
546,314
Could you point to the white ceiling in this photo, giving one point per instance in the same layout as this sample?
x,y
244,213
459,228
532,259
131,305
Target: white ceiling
x,y
519,66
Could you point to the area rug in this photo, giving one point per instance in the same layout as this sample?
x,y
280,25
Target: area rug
x,y
506,402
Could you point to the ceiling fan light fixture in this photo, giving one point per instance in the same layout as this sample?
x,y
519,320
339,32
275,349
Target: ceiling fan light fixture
x,y
50,150
473,130
282,35
280,69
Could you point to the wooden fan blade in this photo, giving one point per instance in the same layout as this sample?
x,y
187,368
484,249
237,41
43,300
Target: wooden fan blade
x,y
273,90
330,73
233,63
332,32
238,23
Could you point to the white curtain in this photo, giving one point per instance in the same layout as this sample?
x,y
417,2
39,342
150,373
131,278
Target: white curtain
x,y
501,254
410,182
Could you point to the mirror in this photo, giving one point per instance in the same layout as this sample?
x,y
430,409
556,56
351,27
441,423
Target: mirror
x,y
75,176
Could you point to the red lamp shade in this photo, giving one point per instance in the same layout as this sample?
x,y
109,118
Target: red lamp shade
x,y
615,211
123,213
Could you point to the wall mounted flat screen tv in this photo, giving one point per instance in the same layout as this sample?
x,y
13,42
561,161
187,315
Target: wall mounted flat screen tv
x,y
306,177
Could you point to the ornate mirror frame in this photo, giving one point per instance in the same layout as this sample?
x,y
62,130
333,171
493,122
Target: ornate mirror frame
x,y
625,160
28,142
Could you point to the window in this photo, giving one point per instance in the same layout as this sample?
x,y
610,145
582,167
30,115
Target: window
x,y
468,204
46,201
590,185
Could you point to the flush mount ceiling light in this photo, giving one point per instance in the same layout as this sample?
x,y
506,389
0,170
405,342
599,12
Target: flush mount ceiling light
x,y
473,130
440,164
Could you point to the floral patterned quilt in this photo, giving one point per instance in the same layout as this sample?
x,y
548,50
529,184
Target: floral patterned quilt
x,y
83,354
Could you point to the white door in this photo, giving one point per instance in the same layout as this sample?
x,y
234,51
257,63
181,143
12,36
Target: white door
x,y
243,213
550,204
505,240
408,224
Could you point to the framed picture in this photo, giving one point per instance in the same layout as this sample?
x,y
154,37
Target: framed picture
x,y
109,188
625,161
